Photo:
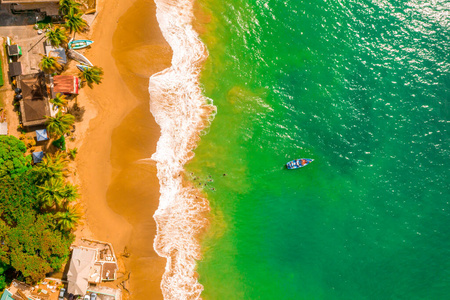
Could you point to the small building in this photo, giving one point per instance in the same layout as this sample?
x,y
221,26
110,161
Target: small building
x,y
59,53
14,50
41,135
64,84
7,295
15,69
78,276
37,156
34,104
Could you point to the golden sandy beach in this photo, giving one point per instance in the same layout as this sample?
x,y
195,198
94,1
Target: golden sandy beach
x,y
118,181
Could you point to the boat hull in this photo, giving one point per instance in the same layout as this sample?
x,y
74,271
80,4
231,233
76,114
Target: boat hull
x,y
298,163
79,44
83,67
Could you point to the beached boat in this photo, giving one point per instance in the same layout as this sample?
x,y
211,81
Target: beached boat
x,y
299,163
83,67
79,44
79,57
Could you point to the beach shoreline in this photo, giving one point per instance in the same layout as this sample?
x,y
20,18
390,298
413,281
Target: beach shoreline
x,y
119,188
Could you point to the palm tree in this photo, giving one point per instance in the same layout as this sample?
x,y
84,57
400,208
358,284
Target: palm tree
x,y
70,194
67,220
74,22
59,100
51,167
60,124
57,36
65,6
92,75
51,193
49,64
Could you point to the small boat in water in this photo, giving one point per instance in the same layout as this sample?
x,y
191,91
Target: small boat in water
x,y
83,67
298,163
79,44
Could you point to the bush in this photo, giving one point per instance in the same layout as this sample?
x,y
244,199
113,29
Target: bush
x,y
73,153
60,143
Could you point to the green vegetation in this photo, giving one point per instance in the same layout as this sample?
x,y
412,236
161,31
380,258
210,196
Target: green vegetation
x,y
36,216
60,143
74,22
57,36
44,23
59,100
12,159
60,124
67,6
92,75
73,153
49,64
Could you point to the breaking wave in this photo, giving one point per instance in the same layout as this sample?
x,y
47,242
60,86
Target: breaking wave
x,y
182,112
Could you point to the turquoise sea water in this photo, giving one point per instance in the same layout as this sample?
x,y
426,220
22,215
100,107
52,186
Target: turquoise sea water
x,y
363,88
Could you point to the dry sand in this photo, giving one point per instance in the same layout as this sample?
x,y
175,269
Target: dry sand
x,y
118,182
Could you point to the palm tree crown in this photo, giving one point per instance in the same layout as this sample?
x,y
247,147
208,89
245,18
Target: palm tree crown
x,y
59,100
51,167
51,193
70,193
65,6
49,64
60,124
92,75
74,22
67,220
57,36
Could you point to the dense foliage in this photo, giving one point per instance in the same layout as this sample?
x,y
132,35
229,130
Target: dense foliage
x,y
12,160
32,240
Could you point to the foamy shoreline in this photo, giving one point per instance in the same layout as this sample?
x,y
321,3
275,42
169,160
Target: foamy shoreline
x,y
181,111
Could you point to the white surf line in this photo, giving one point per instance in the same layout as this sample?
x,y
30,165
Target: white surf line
x,y
180,109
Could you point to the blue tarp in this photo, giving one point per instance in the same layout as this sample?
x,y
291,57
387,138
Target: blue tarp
x,y
38,156
41,135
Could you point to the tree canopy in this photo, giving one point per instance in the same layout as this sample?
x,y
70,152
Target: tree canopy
x,y
34,239
12,158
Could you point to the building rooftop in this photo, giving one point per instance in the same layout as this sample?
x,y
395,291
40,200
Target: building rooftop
x,y
28,1
34,105
15,69
82,261
65,85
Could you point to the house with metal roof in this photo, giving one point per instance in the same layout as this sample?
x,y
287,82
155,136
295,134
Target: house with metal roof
x,y
34,104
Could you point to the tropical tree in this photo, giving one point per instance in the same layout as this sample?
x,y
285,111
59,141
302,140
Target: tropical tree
x,y
60,124
67,220
49,64
57,36
74,22
51,167
92,75
59,100
51,193
65,6
70,194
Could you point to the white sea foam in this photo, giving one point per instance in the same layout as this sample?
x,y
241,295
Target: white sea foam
x,y
180,109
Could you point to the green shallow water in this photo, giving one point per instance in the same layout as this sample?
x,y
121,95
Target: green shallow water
x,y
360,86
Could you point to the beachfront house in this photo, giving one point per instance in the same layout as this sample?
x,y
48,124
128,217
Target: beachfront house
x,y
89,267
34,103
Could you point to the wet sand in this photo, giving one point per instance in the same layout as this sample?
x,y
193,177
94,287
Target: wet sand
x,y
119,183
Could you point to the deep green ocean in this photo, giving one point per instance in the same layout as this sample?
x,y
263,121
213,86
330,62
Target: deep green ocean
x,y
363,88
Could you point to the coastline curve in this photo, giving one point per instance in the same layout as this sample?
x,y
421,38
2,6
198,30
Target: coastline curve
x,y
182,112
